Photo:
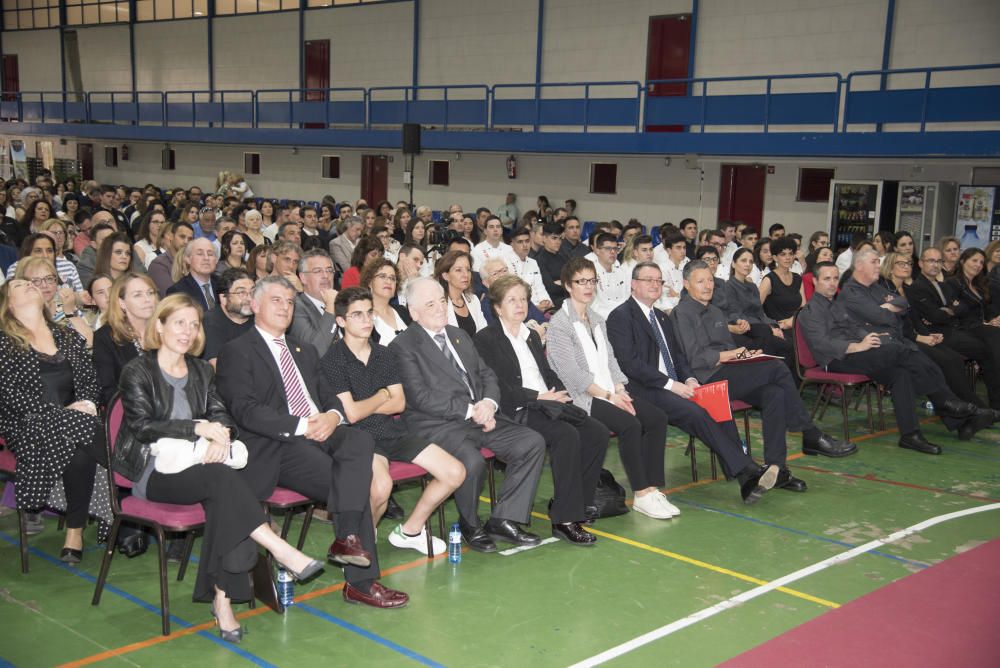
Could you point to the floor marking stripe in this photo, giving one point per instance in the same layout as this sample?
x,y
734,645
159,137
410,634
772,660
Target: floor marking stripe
x,y
734,601
522,548
137,601
700,564
419,658
868,477
260,610
800,532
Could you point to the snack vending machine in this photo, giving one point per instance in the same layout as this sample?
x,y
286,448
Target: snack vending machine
x,y
977,221
926,210
864,207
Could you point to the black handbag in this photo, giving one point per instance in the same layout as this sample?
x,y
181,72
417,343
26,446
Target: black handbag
x,y
609,497
557,410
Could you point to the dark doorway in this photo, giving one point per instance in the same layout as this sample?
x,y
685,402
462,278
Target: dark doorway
x,y
374,178
85,155
668,57
317,74
741,194
11,76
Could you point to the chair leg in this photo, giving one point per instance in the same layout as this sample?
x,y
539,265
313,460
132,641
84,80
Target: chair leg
x,y
427,523
440,514
868,400
161,551
109,553
746,431
881,413
188,547
287,524
22,531
62,523
491,479
694,459
305,526
844,401
711,459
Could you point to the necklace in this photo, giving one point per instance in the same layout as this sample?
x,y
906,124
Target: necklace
x,y
462,305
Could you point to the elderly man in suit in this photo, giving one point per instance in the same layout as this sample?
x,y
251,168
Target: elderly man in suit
x,y
342,246
290,419
200,282
452,398
314,321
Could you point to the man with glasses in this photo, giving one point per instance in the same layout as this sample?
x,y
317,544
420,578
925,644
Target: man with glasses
x,y
766,384
647,351
315,320
492,270
222,325
612,278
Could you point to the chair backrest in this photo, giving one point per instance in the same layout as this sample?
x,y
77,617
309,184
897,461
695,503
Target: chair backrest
x,y
114,419
803,356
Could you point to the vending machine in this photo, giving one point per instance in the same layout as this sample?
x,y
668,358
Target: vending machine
x,y
926,210
864,207
977,220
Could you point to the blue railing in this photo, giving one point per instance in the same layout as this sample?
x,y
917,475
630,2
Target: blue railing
x,y
814,99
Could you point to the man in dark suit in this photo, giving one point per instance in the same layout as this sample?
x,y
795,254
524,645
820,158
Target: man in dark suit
x,y
290,420
939,307
452,399
314,321
200,282
658,371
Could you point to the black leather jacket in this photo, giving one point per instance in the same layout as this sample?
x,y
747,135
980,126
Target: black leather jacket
x,y
148,401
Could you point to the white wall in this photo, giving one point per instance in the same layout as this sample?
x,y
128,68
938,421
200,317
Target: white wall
x,y
37,58
172,56
370,45
933,33
477,41
257,51
105,64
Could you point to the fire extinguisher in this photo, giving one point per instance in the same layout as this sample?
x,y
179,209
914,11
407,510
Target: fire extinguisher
x,y
511,167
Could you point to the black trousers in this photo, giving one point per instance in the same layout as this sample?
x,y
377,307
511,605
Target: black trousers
x,y
907,373
760,337
78,478
232,512
642,439
952,366
339,471
722,438
576,454
769,386
980,343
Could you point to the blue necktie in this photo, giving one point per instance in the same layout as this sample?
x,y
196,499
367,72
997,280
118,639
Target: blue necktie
x,y
661,342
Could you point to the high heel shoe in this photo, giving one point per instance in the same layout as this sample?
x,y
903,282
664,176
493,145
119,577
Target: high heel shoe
x,y
311,569
235,636
71,556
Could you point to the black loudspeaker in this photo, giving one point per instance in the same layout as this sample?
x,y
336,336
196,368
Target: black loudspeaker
x,y
411,138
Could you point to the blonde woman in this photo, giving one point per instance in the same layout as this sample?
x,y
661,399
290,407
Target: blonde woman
x,y
60,302
131,302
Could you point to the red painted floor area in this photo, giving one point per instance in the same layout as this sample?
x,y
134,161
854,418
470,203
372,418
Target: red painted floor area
x,y
946,615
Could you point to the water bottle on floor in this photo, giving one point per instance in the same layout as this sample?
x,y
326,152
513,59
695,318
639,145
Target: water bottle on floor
x,y
286,588
930,408
455,544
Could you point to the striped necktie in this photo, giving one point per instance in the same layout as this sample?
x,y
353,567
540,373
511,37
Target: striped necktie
x,y
298,402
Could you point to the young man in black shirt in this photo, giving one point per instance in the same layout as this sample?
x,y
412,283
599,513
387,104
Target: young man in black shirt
x,y
366,379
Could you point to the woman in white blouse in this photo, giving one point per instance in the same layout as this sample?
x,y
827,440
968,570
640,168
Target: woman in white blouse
x,y
454,271
382,278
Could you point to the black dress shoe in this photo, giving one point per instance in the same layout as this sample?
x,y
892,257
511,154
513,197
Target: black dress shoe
x,y
981,420
828,446
71,556
509,532
916,441
755,487
590,514
573,533
393,510
789,482
956,408
476,538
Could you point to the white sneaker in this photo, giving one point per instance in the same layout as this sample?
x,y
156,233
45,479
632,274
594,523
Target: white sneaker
x,y
419,542
669,507
650,506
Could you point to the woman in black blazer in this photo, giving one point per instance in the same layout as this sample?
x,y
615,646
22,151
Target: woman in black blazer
x,y
532,394
170,394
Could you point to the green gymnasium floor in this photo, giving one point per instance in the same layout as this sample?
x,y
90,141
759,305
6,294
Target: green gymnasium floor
x,y
555,605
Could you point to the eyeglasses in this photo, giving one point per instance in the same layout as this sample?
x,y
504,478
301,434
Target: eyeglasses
x,y
242,293
609,248
655,281
390,278
710,258
361,316
584,281
903,263
744,355
44,280
320,271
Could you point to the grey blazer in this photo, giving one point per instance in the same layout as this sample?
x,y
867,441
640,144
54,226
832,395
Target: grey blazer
x,y
341,251
567,358
311,326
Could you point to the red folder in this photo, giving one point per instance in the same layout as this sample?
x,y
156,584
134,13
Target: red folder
x,y
714,398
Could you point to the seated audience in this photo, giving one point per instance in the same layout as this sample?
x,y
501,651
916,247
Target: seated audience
x,y
521,264
96,312
234,317
492,246
367,381
233,250
199,280
572,244
60,300
821,254
285,257
550,262
750,326
342,246
781,290
381,278
491,271
638,248
314,321
114,255
454,272
671,256
612,278
581,355
173,238
951,250
452,400
368,248
131,303
149,244
64,259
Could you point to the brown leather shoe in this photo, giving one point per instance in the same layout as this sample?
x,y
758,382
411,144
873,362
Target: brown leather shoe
x,y
348,552
378,597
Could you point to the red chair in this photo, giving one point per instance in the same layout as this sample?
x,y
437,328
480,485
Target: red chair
x,y
291,503
490,458
736,406
810,373
8,465
159,517
404,472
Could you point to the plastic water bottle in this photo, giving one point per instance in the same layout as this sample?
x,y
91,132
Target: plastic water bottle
x,y
286,588
930,407
455,544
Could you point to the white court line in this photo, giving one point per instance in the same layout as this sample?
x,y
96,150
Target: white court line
x,y
522,548
739,599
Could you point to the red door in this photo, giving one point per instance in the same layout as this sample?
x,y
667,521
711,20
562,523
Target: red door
x,y
317,74
668,57
374,178
85,154
11,77
741,194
